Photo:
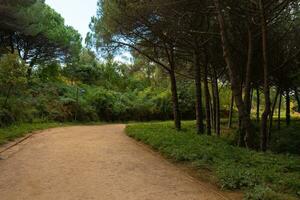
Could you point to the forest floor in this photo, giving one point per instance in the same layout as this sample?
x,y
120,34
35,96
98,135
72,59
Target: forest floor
x,y
94,162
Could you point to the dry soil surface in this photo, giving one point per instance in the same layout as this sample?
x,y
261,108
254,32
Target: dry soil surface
x,y
93,162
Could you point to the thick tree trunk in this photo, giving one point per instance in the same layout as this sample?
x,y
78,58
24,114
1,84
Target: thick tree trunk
x,y
176,113
217,102
266,113
198,88
247,97
279,111
231,112
288,108
272,115
235,80
207,101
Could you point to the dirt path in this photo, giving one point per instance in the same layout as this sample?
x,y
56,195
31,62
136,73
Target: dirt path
x,y
92,162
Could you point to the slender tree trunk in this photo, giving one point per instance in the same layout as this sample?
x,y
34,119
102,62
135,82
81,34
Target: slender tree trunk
x,y
231,112
207,100
211,111
272,114
266,113
198,88
288,107
257,105
217,102
214,106
235,79
176,113
77,103
247,88
279,111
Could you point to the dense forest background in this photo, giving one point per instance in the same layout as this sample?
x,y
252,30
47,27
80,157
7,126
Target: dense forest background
x,y
46,77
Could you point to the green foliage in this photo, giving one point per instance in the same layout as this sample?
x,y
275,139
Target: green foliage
x,y
235,168
19,130
12,80
287,140
265,193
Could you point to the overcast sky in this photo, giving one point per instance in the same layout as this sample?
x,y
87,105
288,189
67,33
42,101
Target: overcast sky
x,y
77,13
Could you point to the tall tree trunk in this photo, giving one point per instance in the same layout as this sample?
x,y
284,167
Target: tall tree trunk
x,y
272,114
176,113
235,79
207,100
266,113
288,108
198,88
247,97
217,102
257,105
211,111
214,106
231,112
247,87
279,111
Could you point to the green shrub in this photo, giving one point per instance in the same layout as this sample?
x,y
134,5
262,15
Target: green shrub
x,y
286,140
260,192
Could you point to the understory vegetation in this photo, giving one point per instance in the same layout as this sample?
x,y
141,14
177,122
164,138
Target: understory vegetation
x,y
19,130
261,175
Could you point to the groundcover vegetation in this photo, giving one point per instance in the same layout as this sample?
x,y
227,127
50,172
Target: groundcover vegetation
x,y
259,175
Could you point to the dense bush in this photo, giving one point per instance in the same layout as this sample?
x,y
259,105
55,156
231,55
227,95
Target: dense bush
x,y
263,175
59,101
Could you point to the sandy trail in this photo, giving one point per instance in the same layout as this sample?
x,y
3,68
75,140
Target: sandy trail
x,y
93,162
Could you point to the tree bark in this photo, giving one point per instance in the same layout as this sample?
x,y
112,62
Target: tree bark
x,y
266,113
297,99
257,105
272,114
217,102
176,113
288,108
247,97
231,112
279,111
207,100
198,88
214,106
235,79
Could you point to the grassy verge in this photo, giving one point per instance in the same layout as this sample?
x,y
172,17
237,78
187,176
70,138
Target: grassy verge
x,y
263,176
20,130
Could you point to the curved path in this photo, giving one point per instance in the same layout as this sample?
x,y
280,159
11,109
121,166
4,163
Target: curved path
x,y
93,162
